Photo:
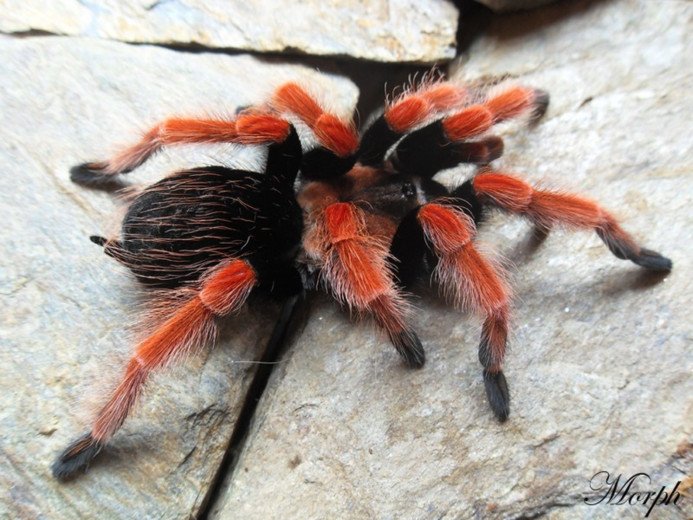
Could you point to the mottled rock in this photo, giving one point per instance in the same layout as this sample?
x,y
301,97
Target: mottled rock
x,y
69,310
600,364
396,31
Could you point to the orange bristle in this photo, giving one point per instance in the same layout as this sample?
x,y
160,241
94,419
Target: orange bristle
x,y
510,103
335,135
506,191
407,113
197,130
228,288
443,227
467,123
444,96
257,129
292,98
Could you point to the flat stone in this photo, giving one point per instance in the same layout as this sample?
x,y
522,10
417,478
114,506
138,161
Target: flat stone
x,y
396,31
69,311
600,362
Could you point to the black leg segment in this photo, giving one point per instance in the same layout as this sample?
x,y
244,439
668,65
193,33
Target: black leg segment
x,y
497,393
428,150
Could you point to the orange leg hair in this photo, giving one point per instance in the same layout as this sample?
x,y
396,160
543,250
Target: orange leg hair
x,y
252,128
413,108
472,282
509,103
356,269
190,327
547,208
245,129
337,136
417,107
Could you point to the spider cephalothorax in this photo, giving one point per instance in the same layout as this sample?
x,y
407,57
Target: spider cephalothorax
x,y
361,214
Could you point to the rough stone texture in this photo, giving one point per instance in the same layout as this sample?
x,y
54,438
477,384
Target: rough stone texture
x,y
600,369
601,363
394,31
506,6
67,307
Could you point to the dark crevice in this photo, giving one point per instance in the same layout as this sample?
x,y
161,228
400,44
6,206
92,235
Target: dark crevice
x,y
286,55
549,507
371,77
31,33
543,510
291,319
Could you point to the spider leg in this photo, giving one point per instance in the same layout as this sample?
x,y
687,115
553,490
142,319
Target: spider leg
x,y
338,139
546,208
187,329
429,150
407,111
446,139
245,129
334,134
467,278
336,154
356,268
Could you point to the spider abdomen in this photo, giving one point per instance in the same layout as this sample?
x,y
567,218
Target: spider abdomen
x,y
188,222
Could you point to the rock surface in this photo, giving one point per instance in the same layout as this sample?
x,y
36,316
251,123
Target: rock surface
x,y
395,31
600,363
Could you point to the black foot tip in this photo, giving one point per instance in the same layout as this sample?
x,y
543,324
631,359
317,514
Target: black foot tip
x,y
76,457
410,348
495,147
541,104
498,394
480,153
98,240
89,173
653,261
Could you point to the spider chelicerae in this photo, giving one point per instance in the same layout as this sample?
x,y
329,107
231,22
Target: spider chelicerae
x,y
358,214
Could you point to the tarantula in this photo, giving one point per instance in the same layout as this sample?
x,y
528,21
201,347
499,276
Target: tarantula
x,y
358,214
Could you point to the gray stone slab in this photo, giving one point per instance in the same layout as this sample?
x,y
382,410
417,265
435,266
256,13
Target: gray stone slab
x,y
68,310
600,364
395,31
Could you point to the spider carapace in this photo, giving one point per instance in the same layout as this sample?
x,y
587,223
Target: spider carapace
x,y
359,215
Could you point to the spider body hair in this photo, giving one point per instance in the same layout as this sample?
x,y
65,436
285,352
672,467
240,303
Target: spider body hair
x,y
359,215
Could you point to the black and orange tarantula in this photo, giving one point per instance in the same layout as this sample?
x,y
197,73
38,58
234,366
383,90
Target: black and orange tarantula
x,y
359,214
